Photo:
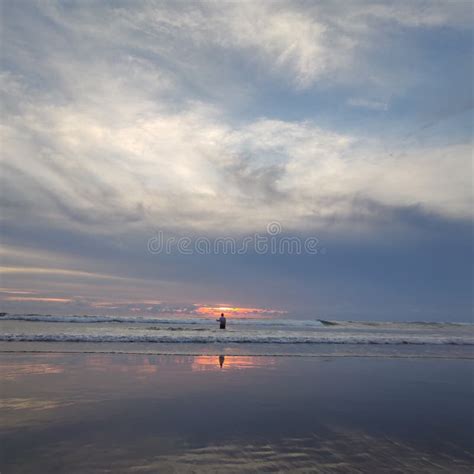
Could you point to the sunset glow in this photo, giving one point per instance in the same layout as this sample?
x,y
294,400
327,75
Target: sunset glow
x,y
237,311
211,362
38,299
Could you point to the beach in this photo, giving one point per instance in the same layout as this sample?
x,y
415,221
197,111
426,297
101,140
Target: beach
x,y
101,412
236,237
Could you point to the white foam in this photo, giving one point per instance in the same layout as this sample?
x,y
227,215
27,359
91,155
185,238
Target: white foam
x,y
94,319
236,338
89,319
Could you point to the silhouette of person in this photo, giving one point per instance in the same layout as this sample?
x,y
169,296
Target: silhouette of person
x,y
222,321
221,360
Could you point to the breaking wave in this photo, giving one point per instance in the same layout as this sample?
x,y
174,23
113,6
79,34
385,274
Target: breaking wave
x,y
240,339
313,323
88,319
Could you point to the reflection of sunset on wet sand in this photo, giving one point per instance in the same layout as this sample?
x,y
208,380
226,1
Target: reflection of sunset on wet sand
x,y
28,404
12,370
142,365
209,362
163,413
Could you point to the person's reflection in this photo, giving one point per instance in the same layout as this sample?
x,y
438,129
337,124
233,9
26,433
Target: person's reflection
x,y
221,360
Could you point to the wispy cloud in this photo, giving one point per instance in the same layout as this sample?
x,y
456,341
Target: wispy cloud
x,y
368,103
219,118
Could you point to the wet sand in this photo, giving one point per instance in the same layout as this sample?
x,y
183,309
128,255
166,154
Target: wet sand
x,y
80,413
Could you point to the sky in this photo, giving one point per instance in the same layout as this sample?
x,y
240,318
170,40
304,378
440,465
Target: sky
x,y
141,140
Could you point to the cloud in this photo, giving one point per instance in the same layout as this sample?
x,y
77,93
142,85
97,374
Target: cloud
x,y
368,103
81,166
214,118
198,40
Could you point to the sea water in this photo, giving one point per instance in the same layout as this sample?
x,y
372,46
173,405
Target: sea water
x,y
192,335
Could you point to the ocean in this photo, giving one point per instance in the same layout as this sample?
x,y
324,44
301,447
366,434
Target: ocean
x,y
195,336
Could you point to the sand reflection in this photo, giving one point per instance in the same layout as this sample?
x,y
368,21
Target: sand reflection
x,y
30,404
229,362
335,452
136,364
13,370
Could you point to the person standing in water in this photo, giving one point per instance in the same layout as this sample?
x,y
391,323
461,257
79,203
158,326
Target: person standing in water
x,y
222,321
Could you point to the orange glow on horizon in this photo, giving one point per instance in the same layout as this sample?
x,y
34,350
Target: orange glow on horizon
x,y
235,311
38,299
14,291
